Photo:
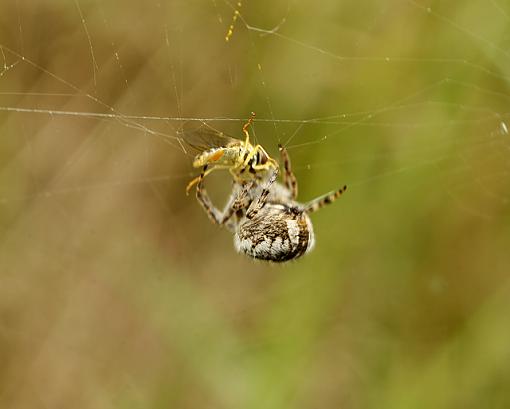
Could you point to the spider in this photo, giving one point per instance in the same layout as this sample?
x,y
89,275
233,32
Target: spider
x,y
267,221
241,158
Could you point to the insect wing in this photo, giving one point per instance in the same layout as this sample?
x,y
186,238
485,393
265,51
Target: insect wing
x,y
203,137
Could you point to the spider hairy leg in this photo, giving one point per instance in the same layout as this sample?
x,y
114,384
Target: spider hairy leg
x,y
289,179
218,217
204,173
258,204
324,200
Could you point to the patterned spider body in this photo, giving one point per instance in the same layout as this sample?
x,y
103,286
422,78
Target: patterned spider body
x,y
278,232
267,222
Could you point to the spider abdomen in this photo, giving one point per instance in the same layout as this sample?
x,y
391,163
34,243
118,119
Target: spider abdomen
x,y
278,232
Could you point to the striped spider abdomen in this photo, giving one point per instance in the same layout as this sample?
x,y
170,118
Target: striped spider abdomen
x,y
278,232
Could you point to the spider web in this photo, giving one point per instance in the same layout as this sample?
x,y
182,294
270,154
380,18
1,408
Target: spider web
x,y
107,91
405,102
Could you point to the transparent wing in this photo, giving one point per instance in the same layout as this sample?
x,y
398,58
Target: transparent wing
x,y
201,136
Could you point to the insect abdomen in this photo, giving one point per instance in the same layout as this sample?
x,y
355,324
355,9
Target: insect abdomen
x,y
224,156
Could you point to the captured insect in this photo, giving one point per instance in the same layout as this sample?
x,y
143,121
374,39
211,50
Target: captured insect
x,y
243,160
267,221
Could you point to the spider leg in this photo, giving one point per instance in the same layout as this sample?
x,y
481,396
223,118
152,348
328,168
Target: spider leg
x,y
324,200
203,198
223,218
240,200
260,201
205,172
289,179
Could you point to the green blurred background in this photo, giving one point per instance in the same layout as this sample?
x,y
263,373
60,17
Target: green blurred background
x,y
117,292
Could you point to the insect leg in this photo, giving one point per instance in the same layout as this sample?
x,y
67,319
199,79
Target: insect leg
x,y
271,163
245,130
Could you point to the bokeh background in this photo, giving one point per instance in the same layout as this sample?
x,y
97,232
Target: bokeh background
x,y
117,292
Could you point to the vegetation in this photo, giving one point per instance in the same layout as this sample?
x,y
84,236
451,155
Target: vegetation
x,y
117,292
